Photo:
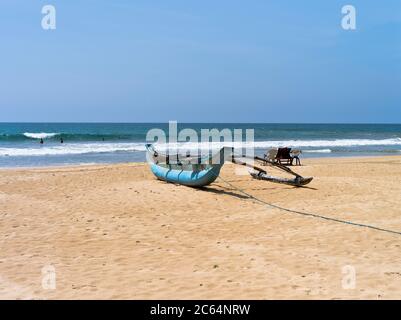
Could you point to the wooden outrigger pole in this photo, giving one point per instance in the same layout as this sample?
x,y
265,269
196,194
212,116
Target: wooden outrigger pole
x,y
261,174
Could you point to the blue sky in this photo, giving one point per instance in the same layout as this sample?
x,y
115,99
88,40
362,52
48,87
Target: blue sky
x,y
200,61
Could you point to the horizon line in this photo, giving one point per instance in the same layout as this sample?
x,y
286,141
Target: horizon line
x,y
185,122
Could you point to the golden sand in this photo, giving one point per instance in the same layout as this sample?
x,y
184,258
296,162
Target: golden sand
x,y
114,231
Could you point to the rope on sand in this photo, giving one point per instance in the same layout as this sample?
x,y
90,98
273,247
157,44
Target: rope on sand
x,y
308,214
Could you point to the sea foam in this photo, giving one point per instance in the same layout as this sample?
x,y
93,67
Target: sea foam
x,y
107,147
323,144
318,151
72,149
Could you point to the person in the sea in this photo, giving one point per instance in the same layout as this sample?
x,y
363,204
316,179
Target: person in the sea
x,y
61,140
41,141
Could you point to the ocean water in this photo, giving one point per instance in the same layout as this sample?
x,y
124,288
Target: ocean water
x,y
86,143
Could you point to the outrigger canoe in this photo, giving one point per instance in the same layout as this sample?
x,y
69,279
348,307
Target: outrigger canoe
x,y
199,172
188,171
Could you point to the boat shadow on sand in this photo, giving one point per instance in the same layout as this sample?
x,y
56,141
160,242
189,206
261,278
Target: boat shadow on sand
x,y
222,191
237,193
283,188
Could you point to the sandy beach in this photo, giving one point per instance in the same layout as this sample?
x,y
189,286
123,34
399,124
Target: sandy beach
x,y
114,231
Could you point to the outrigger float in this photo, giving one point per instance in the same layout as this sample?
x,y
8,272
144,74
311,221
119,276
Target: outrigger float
x,y
201,171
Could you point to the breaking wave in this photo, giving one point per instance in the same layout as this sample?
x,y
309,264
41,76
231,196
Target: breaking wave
x,y
324,144
71,137
318,151
330,143
72,149
53,148
39,135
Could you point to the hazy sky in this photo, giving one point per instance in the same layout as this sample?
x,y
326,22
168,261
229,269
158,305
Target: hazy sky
x,y
200,61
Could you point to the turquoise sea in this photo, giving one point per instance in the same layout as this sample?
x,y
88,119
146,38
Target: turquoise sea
x,y
85,143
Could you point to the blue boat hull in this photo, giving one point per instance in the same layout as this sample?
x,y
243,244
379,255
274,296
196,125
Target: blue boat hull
x,y
189,178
